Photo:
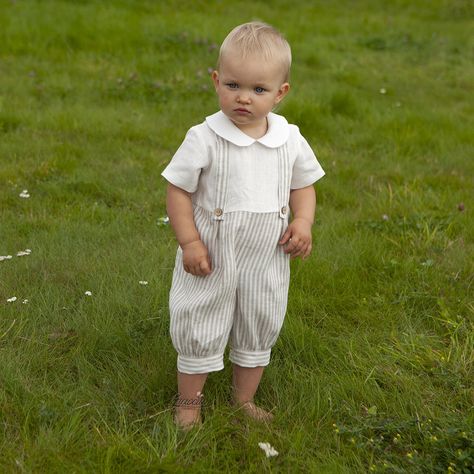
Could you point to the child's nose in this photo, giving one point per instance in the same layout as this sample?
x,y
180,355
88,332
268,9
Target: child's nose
x,y
243,98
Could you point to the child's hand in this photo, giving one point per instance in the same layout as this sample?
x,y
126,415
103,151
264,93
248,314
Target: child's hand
x,y
297,239
196,258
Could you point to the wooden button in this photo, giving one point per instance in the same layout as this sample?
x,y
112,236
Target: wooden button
x,y
218,212
283,210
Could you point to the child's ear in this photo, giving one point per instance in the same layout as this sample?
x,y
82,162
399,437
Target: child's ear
x,y
215,78
282,91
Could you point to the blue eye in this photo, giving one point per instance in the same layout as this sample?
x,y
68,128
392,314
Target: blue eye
x,y
259,90
232,85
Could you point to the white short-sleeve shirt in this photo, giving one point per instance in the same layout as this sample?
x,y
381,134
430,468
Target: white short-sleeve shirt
x,y
253,163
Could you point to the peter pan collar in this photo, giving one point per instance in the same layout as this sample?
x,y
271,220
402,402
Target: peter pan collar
x,y
277,133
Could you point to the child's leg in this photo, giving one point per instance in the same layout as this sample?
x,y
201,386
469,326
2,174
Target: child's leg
x,y
188,405
245,384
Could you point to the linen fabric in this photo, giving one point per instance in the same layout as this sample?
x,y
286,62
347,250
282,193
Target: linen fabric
x,y
244,299
253,185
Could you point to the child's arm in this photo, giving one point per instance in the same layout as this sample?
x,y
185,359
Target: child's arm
x,y
180,212
297,239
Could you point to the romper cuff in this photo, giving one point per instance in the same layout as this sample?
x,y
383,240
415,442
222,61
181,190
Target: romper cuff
x,y
201,365
249,358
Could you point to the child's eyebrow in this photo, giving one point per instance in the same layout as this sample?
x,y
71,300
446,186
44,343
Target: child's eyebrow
x,y
264,85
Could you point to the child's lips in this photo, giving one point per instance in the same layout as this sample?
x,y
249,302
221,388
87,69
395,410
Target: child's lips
x,y
242,111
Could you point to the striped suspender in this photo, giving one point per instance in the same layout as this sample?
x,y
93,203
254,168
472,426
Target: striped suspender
x,y
283,180
222,178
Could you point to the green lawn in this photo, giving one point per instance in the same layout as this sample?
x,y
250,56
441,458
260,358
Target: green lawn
x,y
374,368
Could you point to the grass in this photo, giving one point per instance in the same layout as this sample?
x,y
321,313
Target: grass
x,y
373,369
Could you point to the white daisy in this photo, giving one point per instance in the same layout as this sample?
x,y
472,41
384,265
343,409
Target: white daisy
x,y
5,257
22,253
12,299
88,293
24,194
269,450
142,282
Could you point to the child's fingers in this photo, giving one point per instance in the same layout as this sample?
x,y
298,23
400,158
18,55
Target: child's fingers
x,y
300,249
192,269
286,236
297,252
293,245
204,267
307,252
196,270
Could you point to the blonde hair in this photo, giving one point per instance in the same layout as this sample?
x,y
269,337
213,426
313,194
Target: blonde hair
x,y
258,38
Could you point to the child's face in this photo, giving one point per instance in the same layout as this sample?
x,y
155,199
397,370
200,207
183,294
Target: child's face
x,y
248,89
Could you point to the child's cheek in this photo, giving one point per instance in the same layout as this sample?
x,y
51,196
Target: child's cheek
x,y
225,100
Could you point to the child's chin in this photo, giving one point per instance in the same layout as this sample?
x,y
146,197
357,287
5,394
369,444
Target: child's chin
x,y
238,121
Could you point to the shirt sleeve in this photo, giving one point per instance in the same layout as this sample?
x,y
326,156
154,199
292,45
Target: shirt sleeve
x,y
306,169
185,167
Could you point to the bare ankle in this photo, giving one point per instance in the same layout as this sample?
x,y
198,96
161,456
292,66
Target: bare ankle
x,y
192,403
239,401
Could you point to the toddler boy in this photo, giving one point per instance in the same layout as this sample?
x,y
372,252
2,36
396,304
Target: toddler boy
x,y
232,183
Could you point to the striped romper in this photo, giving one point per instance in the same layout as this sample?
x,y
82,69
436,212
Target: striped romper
x,y
244,299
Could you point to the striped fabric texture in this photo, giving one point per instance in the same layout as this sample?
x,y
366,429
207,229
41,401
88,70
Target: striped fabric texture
x,y
244,299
